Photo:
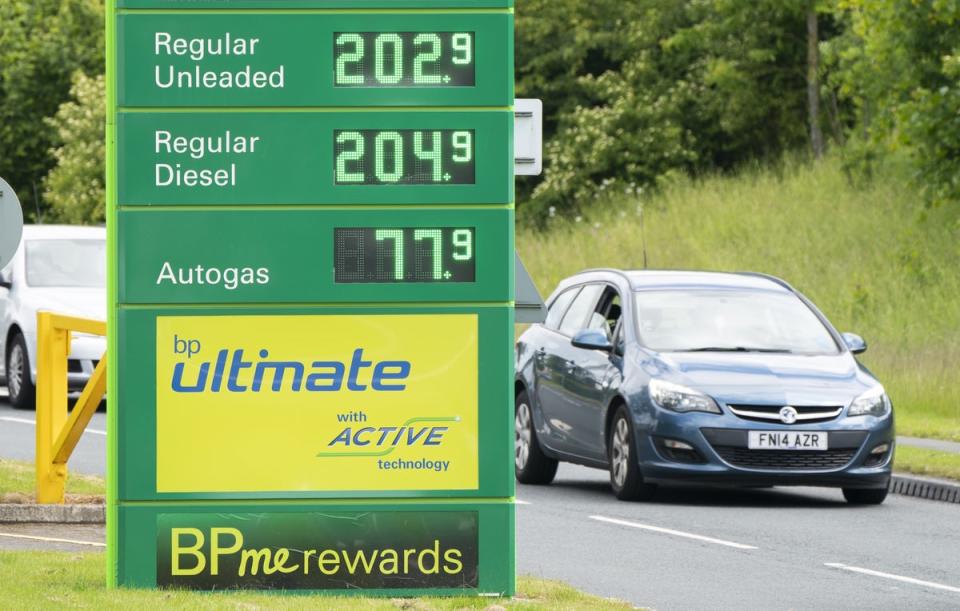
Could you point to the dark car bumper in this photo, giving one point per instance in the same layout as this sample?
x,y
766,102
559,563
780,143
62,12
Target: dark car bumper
x,y
721,455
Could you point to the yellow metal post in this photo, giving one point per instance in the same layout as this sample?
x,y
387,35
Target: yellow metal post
x,y
53,347
83,411
57,435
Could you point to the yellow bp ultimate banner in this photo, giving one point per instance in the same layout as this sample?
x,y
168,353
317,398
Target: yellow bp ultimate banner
x,y
305,403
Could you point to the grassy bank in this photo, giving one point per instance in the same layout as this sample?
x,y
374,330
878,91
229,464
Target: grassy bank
x,y
928,462
18,482
67,580
872,259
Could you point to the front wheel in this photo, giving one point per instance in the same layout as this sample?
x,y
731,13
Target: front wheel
x,y
865,496
22,392
531,465
625,477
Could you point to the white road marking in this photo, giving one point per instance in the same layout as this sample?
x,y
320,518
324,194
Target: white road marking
x,y
918,582
670,531
34,423
519,502
53,539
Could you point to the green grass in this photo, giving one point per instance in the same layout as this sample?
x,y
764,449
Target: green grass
x,y
47,580
927,462
17,477
870,256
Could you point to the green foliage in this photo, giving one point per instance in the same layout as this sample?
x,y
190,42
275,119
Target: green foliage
x,y
42,43
75,187
898,67
638,91
664,86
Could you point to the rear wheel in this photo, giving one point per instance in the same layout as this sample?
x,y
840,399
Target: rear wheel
x,y
22,391
865,496
625,477
531,465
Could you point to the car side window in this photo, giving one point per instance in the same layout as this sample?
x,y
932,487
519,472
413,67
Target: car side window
x,y
607,313
576,316
559,307
619,345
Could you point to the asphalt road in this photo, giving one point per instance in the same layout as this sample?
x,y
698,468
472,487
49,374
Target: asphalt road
x,y
781,548
697,548
18,439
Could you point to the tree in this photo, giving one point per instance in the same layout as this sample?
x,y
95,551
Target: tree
x,y
813,80
75,186
42,43
690,86
898,67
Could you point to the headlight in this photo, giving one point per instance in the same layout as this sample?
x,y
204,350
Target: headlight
x,y
874,402
680,398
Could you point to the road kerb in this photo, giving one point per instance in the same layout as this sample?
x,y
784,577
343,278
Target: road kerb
x,y
61,514
928,488
906,485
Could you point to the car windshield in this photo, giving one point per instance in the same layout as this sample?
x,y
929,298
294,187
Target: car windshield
x,y
66,263
730,321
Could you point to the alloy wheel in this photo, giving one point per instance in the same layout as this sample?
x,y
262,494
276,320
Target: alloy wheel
x,y
621,452
15,370
523,436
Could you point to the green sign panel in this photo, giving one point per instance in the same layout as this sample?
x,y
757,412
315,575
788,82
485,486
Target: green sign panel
x,y
322,158
328,256
310,213
316,59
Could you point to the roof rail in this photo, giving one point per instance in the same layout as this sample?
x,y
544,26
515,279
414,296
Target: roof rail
x,y
611,270
769,277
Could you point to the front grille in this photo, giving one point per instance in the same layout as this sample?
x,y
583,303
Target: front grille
x,y
806,414
800,460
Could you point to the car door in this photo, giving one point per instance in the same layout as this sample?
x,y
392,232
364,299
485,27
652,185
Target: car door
x,y
548,364
560,359
587,385
6,275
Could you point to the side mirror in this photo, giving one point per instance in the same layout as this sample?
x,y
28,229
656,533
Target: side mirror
x,y
6,282
592,339
855,343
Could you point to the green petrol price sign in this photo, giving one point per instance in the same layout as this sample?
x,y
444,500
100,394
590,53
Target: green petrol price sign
x,y
310,220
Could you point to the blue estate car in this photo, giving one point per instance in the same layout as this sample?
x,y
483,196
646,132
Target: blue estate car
x,y
700,377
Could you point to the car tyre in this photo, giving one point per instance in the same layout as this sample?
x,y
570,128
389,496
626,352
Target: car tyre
x,y
865,496
23,394
625,477
531,465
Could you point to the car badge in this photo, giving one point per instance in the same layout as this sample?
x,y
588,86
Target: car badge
x,y
788,414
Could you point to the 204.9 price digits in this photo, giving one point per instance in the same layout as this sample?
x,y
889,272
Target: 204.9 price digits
x,y
408,157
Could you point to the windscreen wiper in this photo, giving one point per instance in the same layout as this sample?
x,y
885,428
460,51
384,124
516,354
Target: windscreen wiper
x,y
738,349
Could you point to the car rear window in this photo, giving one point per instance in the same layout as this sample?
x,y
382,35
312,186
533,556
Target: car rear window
x,y
66,263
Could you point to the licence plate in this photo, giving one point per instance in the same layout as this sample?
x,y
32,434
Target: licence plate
x,y
786,440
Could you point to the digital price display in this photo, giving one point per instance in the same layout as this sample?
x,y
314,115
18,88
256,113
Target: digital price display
x,y
404,254
403,59
404,157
